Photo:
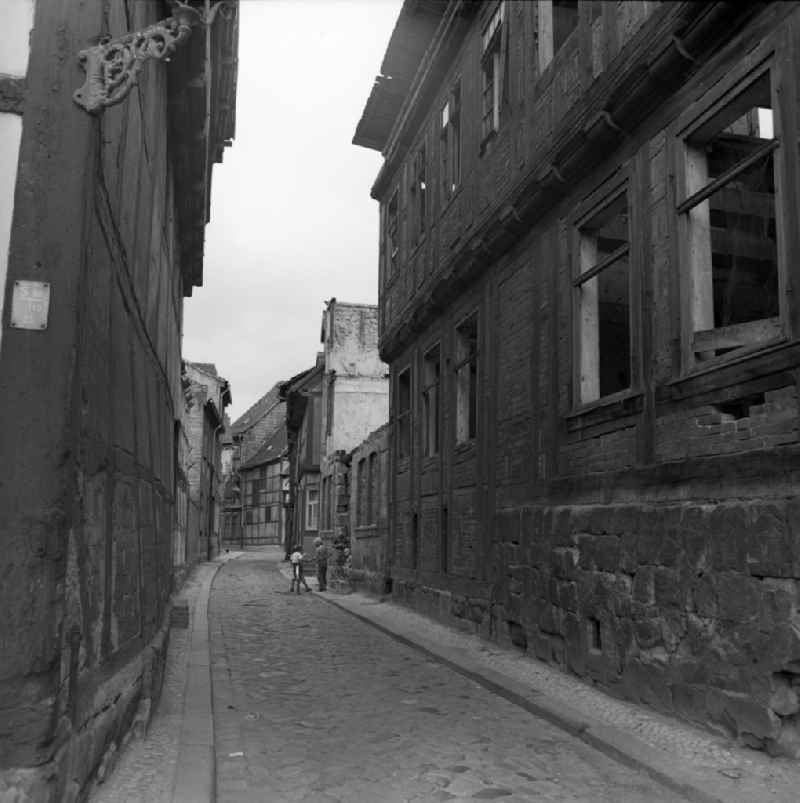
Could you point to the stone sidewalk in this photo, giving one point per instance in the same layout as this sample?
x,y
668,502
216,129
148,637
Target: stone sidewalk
x,y
691,761
168,765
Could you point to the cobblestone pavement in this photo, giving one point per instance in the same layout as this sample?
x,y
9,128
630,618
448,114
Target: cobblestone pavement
x,y
313,704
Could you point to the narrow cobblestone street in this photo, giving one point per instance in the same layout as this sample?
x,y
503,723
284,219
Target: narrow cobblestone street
x,y
311,704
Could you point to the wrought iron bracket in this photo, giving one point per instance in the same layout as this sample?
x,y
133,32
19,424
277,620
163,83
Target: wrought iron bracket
x,y
112,66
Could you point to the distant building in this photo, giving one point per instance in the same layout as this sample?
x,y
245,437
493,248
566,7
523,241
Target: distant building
x,y
207,396
251,429
248,433
303,396
588,260
354,402
261,482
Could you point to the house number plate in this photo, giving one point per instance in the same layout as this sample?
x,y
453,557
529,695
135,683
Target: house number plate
x,y
30,304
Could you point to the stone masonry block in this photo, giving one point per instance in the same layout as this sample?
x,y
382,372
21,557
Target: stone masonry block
x,y
770,547
738,597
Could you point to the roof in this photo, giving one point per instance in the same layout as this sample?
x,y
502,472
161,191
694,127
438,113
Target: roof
x,y
207,367
272,449
258,410
202,124
412,35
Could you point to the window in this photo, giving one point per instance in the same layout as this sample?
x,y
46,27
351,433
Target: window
x,y
431,369
603,302
417,191
312,508
492,71
444,535
730,226
404,413
450,143
268,513
557,20
361,492
466,371
372,490
392,242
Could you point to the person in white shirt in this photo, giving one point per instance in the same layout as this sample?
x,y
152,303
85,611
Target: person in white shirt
x,y
296,559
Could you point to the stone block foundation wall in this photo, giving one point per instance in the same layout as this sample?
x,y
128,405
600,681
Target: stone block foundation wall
x,y
689,608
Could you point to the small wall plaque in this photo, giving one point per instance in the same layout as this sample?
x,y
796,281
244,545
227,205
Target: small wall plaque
x,y
30,304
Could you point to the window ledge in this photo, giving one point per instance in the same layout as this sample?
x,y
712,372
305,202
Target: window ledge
x,y
608,408
730,369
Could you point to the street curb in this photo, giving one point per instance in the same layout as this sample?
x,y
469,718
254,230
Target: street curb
x,y
195,773
611,741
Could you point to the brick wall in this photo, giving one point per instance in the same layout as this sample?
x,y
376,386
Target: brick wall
x,y
644,540
369,497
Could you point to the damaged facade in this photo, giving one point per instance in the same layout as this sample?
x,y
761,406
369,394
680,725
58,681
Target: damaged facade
x,y
102,217
354,402
587,260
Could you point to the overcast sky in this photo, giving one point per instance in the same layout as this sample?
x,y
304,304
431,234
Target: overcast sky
x,y
292,223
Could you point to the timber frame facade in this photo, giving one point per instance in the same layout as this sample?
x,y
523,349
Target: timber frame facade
x,y
588,262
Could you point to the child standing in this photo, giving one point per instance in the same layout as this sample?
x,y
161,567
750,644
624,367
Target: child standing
x,y
296,559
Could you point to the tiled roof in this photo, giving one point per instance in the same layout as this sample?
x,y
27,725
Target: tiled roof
x,y
258,410
272,449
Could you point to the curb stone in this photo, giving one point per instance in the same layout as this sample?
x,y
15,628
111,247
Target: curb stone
x,y
195,774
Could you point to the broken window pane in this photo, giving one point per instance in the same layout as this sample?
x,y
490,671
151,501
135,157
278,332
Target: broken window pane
x,y
732,226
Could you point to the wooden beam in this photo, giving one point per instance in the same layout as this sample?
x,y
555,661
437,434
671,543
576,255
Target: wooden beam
x,y
752,333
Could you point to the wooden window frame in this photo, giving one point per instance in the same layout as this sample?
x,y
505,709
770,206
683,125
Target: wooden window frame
x,y
432,388
762,334
403,417
312,509
392,234
450,143
493,52
417,190
621,182
466,401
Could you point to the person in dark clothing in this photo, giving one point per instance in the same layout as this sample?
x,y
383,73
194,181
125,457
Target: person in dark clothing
x,y
321,555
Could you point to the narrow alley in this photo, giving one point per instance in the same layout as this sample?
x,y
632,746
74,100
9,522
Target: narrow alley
x,y
328,709
311,704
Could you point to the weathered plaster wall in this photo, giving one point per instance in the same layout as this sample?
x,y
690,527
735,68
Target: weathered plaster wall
x,y
361,404
87,505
